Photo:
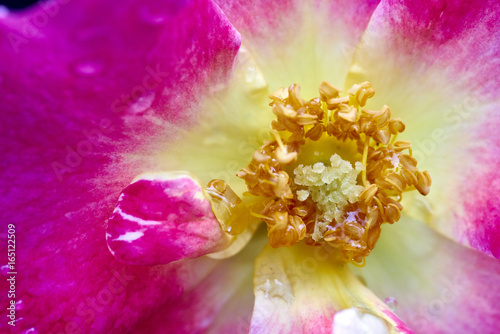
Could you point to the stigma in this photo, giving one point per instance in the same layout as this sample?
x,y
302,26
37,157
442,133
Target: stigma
x,y
331,173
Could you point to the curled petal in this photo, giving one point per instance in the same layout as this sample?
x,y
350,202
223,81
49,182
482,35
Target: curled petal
x,y
162,218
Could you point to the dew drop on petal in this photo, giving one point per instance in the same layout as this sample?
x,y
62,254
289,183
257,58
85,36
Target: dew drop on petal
x,y
157,14
32,330
391,303
19,305
276,289
88,67
4,269
151,16
254,79
142,103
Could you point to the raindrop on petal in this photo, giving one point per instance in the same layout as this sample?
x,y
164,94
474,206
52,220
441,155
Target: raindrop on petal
x,y
88,67
32,330
19,305
254,79
4,269
151,16
142,103
391,303
157,13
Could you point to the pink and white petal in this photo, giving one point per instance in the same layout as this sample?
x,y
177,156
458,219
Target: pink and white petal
x,y
236,119
438,285
302,42
437,66
234,122
77,94
301,290
164,217
221,303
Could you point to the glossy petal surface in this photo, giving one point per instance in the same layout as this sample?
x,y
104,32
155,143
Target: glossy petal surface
x,y
161,218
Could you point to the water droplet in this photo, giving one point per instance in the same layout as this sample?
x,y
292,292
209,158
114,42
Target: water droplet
x,y
229,209
157,13
272,289
32,330
152,16
391,303
19,305
255,80
88,67
4,269
142,103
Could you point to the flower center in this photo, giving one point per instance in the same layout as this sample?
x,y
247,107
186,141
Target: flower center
x,y
331,173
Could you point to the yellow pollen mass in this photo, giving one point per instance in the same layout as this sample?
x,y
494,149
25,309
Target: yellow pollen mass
x,y
341,202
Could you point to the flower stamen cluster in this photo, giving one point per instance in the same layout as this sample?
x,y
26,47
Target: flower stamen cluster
x,y
352,224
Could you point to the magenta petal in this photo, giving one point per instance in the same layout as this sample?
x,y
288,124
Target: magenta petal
x,y
480,227
161,219
75,130
221,303
305,42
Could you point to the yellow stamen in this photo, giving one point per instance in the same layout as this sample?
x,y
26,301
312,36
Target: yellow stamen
x,y
325,204
365,157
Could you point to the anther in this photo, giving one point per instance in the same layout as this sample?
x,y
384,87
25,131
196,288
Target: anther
x,y
331,203
362,92
396,125
367,195
328,91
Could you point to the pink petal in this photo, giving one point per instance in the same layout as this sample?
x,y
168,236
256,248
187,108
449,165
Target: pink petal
x,y
295,41
436,66
439,285
72,142
221,303
162,218
300,290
